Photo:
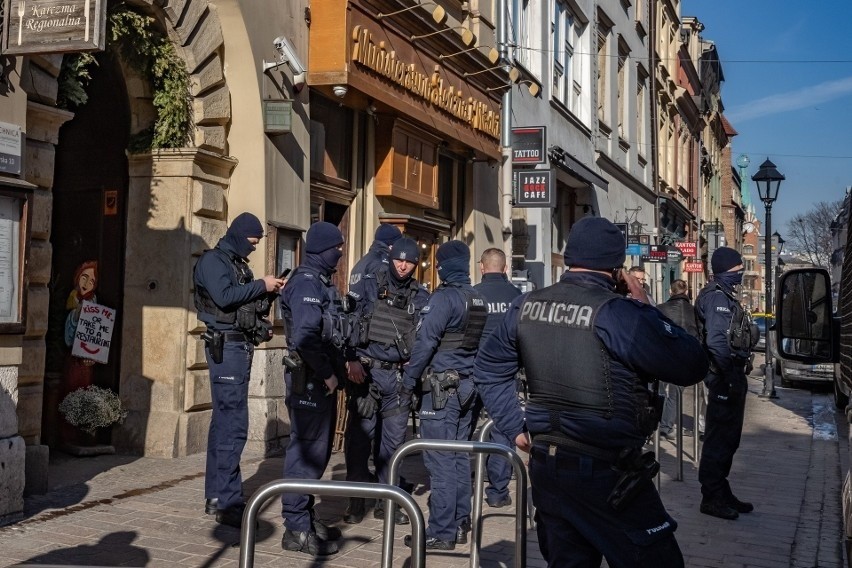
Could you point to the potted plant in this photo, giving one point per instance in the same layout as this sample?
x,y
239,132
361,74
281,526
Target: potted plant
x,y
89,408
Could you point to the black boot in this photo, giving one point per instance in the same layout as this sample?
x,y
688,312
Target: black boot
x,y
355,511
232,516
399,518
210,506
719,508
307,543
461,532
739,506
433,543
324,531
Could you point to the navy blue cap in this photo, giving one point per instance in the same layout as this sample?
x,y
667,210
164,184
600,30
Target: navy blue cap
x,y
405,249
724,259
452,249
388,233
322,236
246,225
595,243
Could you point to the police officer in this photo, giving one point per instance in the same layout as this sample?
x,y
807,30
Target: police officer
x,y
589,353
312,314
233,306
442,365
718,313
388,312
498,293
375,260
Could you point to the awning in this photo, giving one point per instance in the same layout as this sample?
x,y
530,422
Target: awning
x,y
564,161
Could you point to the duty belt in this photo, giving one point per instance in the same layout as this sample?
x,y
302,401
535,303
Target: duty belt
x,y
235,336
377,364
562,441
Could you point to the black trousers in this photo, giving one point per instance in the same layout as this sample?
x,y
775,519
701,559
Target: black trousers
x,y
722,433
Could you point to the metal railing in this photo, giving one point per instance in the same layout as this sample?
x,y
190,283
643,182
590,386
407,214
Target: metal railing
x,y
338,488
679,431
413,446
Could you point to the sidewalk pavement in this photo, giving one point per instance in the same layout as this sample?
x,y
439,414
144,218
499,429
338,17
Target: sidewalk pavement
x,y
130,511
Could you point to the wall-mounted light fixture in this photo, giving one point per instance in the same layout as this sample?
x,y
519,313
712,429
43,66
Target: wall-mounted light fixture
x,y
533,87
514,74
468,37
493,54
439,15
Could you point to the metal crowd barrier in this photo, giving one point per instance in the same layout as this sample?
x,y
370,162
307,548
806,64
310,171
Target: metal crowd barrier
x,y
413,446
393,494
679,432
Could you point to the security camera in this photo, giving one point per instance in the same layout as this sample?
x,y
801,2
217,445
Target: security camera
x,y
339,91
287,56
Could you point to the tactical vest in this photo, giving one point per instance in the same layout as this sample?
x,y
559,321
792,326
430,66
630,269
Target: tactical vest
x,y
205,304
557,320
741,338
335,323
475,315
394,315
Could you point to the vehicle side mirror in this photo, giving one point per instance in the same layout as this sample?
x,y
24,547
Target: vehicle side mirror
x,y
804,316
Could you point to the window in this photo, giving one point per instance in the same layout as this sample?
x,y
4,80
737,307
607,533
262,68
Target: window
x,y
622,102
748,249
641,113
603,69
564,36
519,22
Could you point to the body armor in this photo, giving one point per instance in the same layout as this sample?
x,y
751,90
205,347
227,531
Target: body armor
x,y
394,316
467,337
336,327
205,304
553,320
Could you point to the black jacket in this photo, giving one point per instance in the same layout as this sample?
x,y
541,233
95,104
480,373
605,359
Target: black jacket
x,y
679,309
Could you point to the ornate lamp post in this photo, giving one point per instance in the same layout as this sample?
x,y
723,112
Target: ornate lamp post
x,y
768,181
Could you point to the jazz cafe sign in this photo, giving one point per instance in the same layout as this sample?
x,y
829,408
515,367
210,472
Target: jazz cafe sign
x,y
53,26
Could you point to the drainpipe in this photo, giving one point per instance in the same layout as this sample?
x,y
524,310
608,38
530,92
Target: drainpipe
x,y
655,161
505,130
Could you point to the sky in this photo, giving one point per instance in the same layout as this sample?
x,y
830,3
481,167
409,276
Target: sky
x,y
787,92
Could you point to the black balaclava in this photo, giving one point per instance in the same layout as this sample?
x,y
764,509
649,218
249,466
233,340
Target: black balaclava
x,y
722,261
321,242
453,258
245,225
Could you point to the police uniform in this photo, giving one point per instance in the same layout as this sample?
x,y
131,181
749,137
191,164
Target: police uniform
x,y
589,354
226,297
310,305
498,293
388,313
447,338
717,309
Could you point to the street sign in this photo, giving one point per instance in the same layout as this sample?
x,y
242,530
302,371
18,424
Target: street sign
x,y
657,254
693,266
623,228
633,250
688,249
674,255
534,188
528,145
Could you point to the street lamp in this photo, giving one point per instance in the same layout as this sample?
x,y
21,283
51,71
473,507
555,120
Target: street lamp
x,y
768,180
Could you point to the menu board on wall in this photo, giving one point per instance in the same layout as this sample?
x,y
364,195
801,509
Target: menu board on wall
x,y
10,219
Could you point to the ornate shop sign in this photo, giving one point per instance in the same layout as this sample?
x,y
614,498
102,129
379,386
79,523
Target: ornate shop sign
x,y
53,26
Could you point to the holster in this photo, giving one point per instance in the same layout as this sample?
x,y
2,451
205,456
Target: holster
x,y
215,341
651,411
298,372
443,385
635,467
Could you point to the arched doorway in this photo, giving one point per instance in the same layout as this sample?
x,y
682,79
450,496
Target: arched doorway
x,y
88,223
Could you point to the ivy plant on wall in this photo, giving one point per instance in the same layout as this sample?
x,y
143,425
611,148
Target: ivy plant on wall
x,y
133,37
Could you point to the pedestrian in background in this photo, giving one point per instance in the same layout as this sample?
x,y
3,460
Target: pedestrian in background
x,y
589,353
498,293
311,307
640,275
388,313
721,316
442,366
233,306
680,310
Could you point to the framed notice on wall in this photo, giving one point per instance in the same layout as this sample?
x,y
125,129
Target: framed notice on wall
x,y
14,220
53,26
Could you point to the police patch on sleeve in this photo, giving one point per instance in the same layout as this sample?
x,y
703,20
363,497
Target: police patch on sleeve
x,y
667,329
723,309
311,300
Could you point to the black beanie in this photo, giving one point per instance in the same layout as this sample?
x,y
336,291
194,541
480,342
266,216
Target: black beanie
x,y
452,249
387,233
405,249
724,259
246,225
322,236
595,243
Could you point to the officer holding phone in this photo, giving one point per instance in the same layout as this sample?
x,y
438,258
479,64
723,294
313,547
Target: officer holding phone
x,y
235,308
589,412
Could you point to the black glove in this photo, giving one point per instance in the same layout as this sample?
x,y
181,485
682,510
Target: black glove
x,y
367,404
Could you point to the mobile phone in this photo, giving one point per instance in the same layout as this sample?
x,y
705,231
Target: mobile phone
x,y
284,274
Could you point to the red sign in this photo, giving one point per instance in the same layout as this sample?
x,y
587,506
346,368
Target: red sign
x,y
693,267
689,250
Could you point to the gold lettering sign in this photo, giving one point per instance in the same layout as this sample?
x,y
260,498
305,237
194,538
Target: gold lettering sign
x,y
431,88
